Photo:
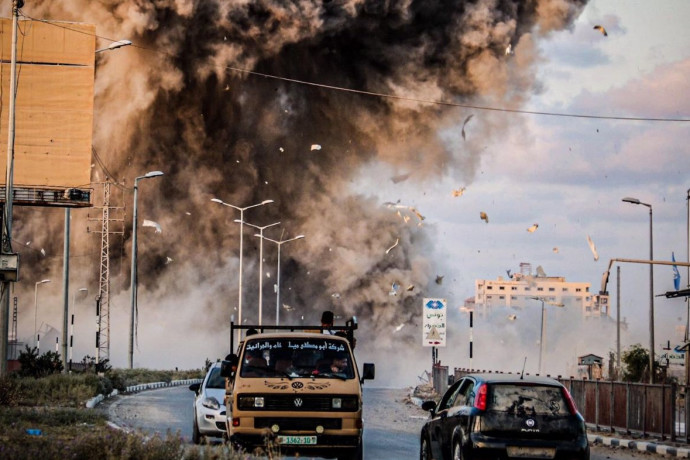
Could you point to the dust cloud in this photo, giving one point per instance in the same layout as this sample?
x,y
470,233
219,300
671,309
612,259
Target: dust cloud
x,y
183,101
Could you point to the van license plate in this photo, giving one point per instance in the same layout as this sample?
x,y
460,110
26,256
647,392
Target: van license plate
x,y
531,452
297,440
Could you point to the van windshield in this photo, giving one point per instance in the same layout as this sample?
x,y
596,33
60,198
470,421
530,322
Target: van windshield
x,y
297,357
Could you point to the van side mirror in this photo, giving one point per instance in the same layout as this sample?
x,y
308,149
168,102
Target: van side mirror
x,y
195,387
229,366
368,371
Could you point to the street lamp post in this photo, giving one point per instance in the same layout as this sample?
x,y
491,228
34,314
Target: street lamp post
x,y
279,243
36,307
651,286
133,276
241,210
261,263
543,326
115,45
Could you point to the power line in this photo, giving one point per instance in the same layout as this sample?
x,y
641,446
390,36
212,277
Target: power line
x,y
394,96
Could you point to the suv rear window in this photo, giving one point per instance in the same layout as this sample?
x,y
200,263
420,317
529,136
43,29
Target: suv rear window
x,y
527,400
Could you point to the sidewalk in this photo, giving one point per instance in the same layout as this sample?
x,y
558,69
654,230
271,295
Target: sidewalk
x,y
656,447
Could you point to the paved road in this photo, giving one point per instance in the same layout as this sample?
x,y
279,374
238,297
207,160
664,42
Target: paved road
x,y
391,425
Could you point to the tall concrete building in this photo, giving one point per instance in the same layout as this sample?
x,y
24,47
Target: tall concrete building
x,y
525,289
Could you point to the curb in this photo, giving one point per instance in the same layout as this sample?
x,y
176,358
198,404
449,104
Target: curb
x,y
91,403
642,446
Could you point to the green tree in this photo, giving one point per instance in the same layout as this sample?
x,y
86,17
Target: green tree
x,y
636,365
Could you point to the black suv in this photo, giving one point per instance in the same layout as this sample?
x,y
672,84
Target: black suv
x,y
501,416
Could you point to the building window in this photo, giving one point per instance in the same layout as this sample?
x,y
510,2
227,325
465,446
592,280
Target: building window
x,y
489,288
552,289
587,288
527,289
540,289
565,289
513,297
501,288
513,288
502,297
578,290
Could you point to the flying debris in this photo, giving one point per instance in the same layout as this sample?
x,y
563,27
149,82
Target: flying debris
x,y
601,29
168,260
397,240
469,117
281,149
509,49
509,275
540,272
188,213
484,217
439,279
227,87
410,287
533,228
315,147
512,317
335,295
288,307
458,192
150,223
399,206
394,289
400,178
28,243
593,248
399,326
43,252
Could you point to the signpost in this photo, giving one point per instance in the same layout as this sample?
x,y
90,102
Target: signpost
x,y
434,323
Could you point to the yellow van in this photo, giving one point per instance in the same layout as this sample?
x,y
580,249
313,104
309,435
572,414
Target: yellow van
x,y
301,391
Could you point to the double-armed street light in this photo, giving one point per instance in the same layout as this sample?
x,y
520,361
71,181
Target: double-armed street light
x,y
241,222
543,325
133,274
651,286
261,262
36,308
279,243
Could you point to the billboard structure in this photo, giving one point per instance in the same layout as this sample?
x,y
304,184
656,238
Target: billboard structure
x,y
53,112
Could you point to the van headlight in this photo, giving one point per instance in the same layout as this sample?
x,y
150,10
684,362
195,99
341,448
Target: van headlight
x,y
211,403
349,403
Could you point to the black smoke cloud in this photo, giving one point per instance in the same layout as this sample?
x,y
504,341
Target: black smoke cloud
x,y
177,104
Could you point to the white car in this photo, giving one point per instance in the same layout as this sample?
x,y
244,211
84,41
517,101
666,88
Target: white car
x,y
209,409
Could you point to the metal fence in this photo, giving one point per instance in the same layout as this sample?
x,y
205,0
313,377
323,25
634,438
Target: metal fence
x,y
649,410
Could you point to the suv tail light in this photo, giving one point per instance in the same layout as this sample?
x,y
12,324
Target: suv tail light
x,y
570,401
480,399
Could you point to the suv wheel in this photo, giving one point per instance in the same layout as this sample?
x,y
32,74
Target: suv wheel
x,y
425,449
457,450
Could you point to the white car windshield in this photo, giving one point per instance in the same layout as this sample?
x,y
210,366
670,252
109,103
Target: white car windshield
x,y
297,357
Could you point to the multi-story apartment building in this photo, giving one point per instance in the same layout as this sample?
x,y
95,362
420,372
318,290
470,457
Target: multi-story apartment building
x,y
523,289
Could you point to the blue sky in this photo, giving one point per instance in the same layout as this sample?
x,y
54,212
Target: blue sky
x,y
570,174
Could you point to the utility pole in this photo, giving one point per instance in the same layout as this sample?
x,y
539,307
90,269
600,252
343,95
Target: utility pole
x,y
103,296
6,238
